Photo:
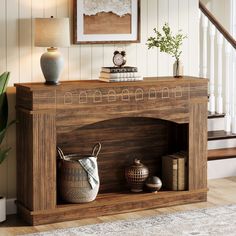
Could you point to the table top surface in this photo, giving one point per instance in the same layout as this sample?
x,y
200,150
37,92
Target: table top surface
x,y
98,83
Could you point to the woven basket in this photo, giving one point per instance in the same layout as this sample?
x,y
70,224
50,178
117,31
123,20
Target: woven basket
x,y
73,179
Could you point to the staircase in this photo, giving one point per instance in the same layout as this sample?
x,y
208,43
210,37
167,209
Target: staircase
x,y
218,63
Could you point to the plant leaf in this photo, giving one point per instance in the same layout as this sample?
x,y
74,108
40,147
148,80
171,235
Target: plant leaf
x,y
3,132
3,100
3,112
167,42
3,85
3,154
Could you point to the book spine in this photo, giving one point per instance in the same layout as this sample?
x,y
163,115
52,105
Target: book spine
x,y
184,155
120,70
175,174
120,75
120,79
181,173
169,172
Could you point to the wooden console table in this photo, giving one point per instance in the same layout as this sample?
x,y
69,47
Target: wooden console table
x,y
145,119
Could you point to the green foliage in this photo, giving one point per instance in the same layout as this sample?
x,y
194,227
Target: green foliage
x,y
167,42
4,114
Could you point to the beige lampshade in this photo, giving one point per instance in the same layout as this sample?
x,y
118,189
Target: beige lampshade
x,y
52,32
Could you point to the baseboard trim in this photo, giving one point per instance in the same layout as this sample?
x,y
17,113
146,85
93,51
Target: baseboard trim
x,y
11,206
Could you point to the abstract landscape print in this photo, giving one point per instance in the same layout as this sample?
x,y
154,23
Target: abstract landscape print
x,y
106,20
107,17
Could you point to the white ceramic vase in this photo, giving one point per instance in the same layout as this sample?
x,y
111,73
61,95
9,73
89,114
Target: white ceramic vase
x,y
2,209
178,69
52,64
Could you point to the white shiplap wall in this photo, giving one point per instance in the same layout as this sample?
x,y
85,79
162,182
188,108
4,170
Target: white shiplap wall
x,y
21,58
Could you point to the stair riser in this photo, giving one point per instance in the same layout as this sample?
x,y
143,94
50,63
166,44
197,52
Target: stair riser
x,y
223,143
221,168
216,124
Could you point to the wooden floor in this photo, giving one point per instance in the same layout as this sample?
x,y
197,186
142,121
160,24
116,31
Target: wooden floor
x,y
221,192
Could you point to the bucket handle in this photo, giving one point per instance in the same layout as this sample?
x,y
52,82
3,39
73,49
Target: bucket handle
x,y
61,154
96,149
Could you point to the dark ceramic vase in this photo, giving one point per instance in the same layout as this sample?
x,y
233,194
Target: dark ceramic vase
x,y
136,176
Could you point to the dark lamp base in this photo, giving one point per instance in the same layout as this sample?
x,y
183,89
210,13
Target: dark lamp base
x,y
51,83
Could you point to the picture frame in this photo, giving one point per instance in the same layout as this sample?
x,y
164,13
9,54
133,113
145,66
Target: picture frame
x,y
106,21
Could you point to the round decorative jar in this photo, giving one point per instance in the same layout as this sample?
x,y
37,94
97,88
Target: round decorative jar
x,y
136,176
153,184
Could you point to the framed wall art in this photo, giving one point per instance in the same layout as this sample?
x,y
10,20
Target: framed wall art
x,y
106,21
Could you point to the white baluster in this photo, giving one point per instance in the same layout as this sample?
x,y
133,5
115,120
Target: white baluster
x,y
212,69
233,18
227,87
199,63
234,92
204,46
233,32
219,108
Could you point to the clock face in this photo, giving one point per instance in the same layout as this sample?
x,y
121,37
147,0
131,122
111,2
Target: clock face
x,y
119,60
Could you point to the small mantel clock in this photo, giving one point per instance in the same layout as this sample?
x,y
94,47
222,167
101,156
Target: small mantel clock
x,y
119,58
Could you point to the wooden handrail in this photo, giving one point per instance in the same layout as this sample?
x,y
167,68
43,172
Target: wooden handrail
x,y
217,24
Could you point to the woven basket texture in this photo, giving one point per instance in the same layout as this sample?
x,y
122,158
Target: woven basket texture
x,y
73,183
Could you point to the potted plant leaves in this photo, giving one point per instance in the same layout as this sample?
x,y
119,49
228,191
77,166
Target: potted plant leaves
x,y
3,128
170,44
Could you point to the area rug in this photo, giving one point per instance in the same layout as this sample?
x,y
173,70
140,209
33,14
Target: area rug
x,y
217,221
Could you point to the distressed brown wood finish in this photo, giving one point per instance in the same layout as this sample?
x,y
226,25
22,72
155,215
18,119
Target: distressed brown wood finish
x,y
198,146
145,119
36,163
221,153
113,203
123,140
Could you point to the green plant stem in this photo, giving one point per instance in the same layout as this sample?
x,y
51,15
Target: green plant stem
x,y
167,42
177,67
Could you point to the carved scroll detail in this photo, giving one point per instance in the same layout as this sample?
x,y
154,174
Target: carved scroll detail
x,y
139,94
125,95
83,97
111,95
97,97
68,98
152,95
178,92
165,92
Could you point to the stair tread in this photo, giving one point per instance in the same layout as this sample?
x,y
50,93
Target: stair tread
x,y
222,153
215,115
220,134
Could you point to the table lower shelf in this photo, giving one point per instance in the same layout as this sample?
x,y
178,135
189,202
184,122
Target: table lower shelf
x,y
111,203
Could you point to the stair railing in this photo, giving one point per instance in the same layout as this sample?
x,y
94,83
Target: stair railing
x,y
216,37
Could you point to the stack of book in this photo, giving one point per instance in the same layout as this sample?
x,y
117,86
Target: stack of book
x,y
174,171
119,74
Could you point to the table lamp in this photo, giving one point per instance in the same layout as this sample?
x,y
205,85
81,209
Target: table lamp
x,y
52,33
